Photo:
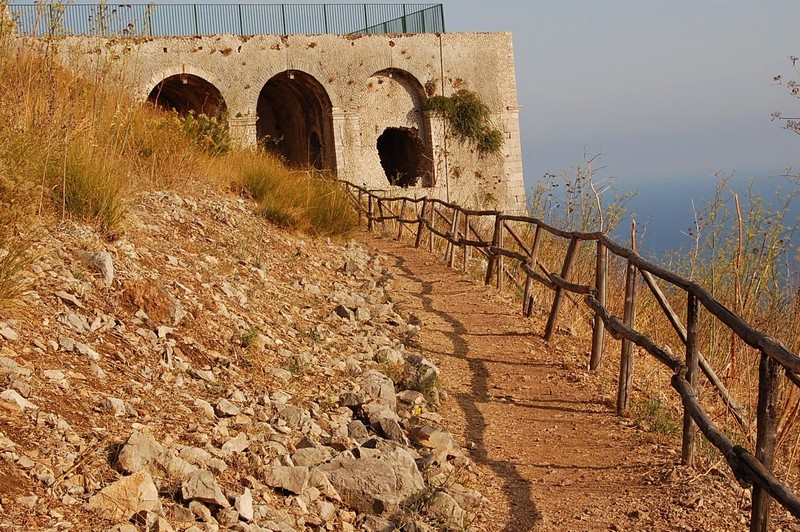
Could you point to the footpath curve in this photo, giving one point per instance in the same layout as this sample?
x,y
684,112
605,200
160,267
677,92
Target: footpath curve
x,y
551,452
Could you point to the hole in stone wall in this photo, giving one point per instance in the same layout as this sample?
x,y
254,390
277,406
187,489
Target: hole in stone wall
x,y
400,152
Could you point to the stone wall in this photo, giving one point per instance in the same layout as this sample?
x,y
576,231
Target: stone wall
x,y
330,101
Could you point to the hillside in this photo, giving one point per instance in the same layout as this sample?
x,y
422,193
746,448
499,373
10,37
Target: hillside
x,y
196,372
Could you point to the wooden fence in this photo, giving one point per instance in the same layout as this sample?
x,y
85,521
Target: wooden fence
x,y
460,228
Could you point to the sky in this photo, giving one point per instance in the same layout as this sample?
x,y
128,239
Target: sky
x,y
670,93
664,90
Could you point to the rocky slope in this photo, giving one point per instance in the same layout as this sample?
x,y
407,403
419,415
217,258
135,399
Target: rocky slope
x,y
205,371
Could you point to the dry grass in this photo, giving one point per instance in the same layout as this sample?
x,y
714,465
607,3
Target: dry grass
x,y
77,147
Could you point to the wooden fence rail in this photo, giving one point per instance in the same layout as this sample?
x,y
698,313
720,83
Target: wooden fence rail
x,y
459,229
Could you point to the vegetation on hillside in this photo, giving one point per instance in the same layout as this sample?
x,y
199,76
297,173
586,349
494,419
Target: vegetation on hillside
x,y
76,146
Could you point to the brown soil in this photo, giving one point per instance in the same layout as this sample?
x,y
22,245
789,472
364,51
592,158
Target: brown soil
x,y
552,452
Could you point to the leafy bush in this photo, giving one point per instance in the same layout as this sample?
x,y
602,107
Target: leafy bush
x,y
469,118
209,133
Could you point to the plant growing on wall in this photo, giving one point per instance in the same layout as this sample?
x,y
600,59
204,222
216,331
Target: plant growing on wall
x,y
469,119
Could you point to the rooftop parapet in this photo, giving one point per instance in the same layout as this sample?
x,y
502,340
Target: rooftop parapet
x,y
165,20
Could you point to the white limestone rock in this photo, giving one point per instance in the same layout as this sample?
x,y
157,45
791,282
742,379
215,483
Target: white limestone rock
x,y
201,486
126,496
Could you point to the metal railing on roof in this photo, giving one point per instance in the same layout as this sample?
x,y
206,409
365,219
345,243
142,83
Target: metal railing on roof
x,y
161,20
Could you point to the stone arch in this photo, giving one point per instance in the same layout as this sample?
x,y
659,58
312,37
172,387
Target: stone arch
x,y
395,130
295,120
187,93
195,88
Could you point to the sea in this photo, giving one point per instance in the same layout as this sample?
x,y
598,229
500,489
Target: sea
x,y
665,210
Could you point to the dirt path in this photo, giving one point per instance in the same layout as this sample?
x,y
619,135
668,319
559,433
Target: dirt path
x,y
553,455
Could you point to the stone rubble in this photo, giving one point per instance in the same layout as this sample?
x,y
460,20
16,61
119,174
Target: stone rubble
x,y
206,371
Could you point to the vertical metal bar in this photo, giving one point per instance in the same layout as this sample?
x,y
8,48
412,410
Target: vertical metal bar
x,y
325,16
600,282
566,269
241,24
441,16
767,423
692,365
366,20
283,16
196,23
626,357
405,28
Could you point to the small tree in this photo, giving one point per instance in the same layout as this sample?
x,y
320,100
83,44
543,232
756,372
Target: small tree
x,y
792,124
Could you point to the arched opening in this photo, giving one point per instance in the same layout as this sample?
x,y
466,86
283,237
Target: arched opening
x,y
187,93
295,120
315,151
392,118
400,152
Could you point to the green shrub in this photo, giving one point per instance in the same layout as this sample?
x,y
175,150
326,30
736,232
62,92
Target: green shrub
x,y
208,132
469,118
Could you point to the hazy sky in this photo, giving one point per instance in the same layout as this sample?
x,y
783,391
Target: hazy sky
x,y
671,88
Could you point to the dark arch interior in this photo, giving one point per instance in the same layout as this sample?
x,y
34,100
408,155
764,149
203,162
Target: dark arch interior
x,y
401,154
185,93
295,121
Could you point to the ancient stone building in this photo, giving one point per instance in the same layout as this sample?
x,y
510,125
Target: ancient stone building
x,y
351,104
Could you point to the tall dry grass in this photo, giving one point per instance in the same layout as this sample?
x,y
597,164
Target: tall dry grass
x,y
300,200
742,254
77,146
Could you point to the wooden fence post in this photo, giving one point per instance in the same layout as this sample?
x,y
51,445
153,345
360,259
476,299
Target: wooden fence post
x,y
465,265
433,226
767,422
626,357
370,214
692,365
451,260
421,223
360,204
534,256
400,219
500,263
569,262
380,214
601,283
498,228
673,318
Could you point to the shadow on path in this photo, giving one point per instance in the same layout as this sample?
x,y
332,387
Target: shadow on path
x,y
524,514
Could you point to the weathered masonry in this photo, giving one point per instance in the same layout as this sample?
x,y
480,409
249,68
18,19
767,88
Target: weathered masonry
x,y
353,104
